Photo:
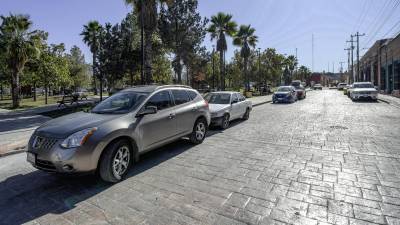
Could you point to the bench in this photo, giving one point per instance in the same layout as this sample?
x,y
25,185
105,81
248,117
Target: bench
x,y
68,99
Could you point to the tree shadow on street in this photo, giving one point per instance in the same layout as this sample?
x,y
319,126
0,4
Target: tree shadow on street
x,y
26,197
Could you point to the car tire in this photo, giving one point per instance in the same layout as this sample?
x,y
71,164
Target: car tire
x,y
246,115
225,122
116,161
199,131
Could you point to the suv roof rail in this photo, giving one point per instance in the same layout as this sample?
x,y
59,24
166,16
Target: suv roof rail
x,y
173,85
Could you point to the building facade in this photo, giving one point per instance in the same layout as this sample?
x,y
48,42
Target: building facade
x,y
381,65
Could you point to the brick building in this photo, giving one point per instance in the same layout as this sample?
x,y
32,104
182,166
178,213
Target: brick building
x,y
381,65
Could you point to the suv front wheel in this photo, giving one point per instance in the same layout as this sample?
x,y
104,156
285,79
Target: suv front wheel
x,y
199,131
116,161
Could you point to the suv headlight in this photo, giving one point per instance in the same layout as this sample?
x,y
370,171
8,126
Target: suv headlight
x,y
79,138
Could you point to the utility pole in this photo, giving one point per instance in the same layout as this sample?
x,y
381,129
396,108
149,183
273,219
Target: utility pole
x,y
259,64
358,35
312,53
352,61
333,67
348,63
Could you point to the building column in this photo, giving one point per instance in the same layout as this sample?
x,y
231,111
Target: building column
x,y
372,73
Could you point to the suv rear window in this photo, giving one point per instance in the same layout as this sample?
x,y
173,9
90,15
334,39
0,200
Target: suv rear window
x,y
192,94
180,97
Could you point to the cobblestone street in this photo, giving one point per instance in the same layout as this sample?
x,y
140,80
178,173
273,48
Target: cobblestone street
x,y
322,160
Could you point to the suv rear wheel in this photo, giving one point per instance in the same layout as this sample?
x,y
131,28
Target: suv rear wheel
x,y
116,161
199,131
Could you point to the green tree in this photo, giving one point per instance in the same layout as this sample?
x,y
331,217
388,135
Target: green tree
x,y
245,39
16,40
182,30
222,26
78,69
91,36
148,15
53,68
291,64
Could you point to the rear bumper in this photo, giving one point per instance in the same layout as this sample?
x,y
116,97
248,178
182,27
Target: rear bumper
x,y
216,121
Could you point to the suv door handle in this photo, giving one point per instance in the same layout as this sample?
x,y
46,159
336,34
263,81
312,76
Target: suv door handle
x,y
171,116
194,109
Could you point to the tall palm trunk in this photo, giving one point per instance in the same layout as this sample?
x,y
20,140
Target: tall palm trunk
x,y
15,89
247,85
148,57
221,70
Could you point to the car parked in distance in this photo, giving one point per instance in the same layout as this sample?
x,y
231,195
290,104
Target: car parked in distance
x,y
349,89
285,94
341,86
226,106
301,92
363,90
110,138
317,87
346,89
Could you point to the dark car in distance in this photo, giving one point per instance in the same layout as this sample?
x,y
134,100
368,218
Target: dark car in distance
x,y
286,94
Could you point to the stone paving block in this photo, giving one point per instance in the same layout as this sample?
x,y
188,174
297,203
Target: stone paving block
x,y
340,208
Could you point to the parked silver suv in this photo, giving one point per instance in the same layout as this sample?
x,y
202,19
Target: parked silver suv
x,y
111,137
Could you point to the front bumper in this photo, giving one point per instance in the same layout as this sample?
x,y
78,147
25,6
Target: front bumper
x,y
365,96
282,99
61,160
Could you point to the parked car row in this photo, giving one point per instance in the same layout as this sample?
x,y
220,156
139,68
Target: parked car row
x,y
361,91
111,137
289,94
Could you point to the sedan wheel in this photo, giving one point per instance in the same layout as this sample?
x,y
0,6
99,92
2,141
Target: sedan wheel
x,y
225,122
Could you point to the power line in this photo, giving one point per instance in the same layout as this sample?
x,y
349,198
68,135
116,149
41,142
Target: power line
x,y
365,15
383,23
360,16
390,30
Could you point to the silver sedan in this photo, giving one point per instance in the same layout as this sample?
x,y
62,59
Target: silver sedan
x,y
226,106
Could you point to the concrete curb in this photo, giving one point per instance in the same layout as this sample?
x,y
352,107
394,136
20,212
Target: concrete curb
x,y
261,103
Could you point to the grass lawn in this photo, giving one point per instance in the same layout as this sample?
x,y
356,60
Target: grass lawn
x,y
27,103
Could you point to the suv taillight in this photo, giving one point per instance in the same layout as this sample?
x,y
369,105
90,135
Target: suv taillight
x,y
206,103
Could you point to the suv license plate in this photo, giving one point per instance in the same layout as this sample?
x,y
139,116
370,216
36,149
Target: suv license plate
x,y
31,158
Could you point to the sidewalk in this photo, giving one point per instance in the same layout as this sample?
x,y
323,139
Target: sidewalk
x,y
16,127
259,100
389,99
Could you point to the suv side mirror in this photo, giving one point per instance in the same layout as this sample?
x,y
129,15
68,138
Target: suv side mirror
x,y
147,110
234,101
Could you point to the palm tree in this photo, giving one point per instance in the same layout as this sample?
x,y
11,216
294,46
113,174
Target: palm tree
x,y
245,38
222,25
91,36
148,15
19,46
291,64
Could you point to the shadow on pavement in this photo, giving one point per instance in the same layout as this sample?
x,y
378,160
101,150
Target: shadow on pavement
x,y
30,196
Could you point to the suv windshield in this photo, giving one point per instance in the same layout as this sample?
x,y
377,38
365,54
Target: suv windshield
x,y
300,87
363,85
218,98
284,89
122,102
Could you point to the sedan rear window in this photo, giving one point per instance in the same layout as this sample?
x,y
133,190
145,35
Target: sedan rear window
x,y
363,85
218,98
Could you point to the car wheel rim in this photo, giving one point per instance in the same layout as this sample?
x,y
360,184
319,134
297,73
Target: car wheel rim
x,y
226,122
121,161
200,131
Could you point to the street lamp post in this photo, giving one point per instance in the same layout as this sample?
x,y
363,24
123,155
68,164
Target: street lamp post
x,y
142,79
259,64
213,68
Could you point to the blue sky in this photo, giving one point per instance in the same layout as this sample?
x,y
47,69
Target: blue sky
x,y
284,24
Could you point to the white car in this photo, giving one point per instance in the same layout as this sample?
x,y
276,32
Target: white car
x,y
226,106
363,90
